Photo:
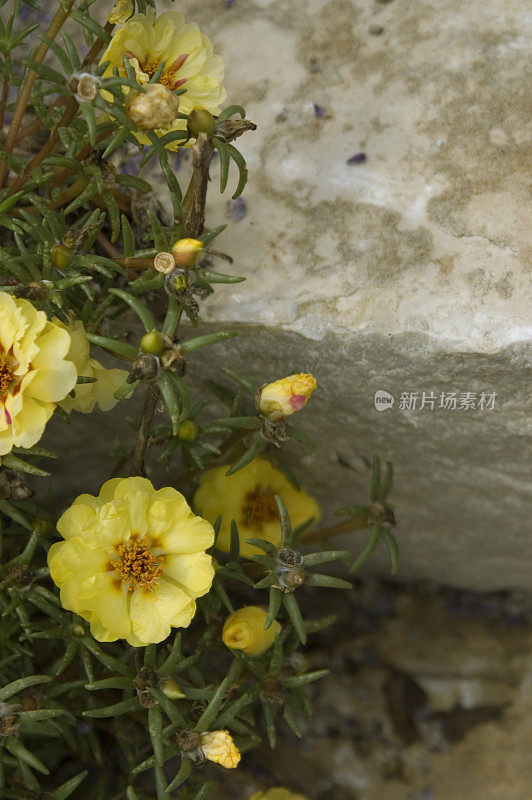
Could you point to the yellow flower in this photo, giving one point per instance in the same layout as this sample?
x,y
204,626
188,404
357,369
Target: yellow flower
x,y
218,746
133,561
244,630
87,395
121,11
280,399
34,374
189,62
277,793
248,497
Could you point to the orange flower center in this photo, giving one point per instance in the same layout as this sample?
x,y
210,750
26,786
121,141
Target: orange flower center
x,y
6,377
260,507
136,564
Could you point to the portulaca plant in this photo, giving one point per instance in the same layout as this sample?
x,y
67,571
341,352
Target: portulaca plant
x,y
147,633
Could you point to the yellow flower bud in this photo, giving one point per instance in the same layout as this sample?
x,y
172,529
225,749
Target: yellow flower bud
x,y
61,256
122,10
186,252
152,342
277,793
218,746
188,431
201,121
154,108
281,398
171,690
244,630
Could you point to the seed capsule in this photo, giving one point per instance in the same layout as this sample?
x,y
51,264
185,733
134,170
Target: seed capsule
x,y
187,431
61,256
152,343
201,121
155,108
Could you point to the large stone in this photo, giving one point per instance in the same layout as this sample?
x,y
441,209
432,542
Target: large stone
x,y
405,272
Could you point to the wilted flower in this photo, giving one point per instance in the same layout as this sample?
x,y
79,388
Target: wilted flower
x,y
186,252
133,562
248,497
218,746
277,793
107,381
121,10
155,107
244,630
281,398
34,372
189,62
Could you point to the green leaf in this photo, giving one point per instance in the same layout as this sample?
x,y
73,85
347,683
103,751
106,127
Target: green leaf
x,y
14,514
291,605
286,525
239,160
314,559
257,446
249,385
387,483
209,715
224,162
329,581
367,552
393,549
189,345
165,385
17,749
300,436
65,790
183,773
155,727
269,722
301,680
114,345
19,465
145,316
244,423
273,607
21,684
230,111
124,707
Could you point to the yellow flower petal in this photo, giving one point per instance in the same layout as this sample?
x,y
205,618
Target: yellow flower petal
x,y
244,630
195,571
218,746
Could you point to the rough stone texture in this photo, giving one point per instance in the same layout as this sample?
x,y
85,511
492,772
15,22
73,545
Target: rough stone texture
x,y
431,703
404,273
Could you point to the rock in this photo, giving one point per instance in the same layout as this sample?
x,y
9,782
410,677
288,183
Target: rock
x,y
404,274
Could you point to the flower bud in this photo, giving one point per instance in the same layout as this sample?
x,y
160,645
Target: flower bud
x,y
187,431
244,630
295,578
154,108
279,399
86,87
164,262
186,252
201,121
218,746
152,343
61,256
171,690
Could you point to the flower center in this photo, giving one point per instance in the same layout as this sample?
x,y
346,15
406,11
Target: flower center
x,y
6,377
168,78
260,507
137,565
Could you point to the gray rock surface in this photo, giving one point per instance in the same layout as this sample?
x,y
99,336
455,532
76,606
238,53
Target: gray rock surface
x,y
404,273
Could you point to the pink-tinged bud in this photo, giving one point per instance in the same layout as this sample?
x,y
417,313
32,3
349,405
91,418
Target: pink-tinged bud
x,y
186,252
281,398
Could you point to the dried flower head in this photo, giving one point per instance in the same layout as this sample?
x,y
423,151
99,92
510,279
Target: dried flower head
x,y
218,746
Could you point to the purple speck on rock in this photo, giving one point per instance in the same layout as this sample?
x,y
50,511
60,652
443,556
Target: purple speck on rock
x,y
358,158
236,209
132,165
319,112
228,3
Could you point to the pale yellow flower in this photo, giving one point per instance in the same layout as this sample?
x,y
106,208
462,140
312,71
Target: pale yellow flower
x,y
218,746
244,630
189,62
107,381
248,497
133,561
277,793
281,398
34,374
122,10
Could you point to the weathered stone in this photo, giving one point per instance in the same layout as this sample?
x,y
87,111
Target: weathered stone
x,y
402,273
